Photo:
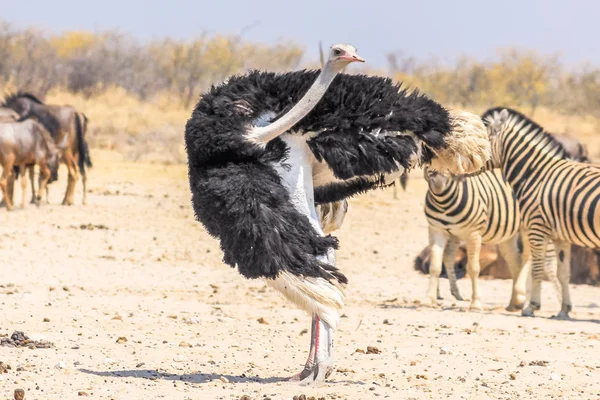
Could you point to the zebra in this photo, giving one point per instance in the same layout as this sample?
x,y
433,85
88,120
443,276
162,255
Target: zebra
x,y
480,210
559,198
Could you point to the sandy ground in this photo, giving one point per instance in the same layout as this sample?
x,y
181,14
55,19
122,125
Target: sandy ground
x,y
143,269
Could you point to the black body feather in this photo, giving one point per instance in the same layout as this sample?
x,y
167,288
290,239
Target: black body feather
x,y
239,197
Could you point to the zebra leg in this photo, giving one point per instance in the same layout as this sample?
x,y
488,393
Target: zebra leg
x,y
550,270
437,242
563,252
473,268
510,251
449,257
538,246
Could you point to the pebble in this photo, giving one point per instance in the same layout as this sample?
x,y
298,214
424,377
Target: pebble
x,y
19,394
122,339
444,350
191,320
555,377
4,368
179,358
61,365
185,344
82,393
224,380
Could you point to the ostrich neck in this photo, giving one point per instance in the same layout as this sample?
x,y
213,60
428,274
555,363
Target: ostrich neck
x,y
299,111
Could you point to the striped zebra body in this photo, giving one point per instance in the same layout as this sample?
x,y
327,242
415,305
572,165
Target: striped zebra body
x,y
559,198
479,210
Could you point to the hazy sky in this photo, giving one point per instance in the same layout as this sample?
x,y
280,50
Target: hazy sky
x,y
444,28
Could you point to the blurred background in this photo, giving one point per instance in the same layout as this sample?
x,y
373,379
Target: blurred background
x,y
136,68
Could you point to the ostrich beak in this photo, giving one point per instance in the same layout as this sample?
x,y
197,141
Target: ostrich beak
x,y
353,57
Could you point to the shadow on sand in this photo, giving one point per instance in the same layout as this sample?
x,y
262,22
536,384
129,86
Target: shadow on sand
x,y
192,378
199,378
496,311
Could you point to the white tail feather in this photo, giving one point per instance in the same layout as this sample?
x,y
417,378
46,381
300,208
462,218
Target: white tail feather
x,y
468,146
314,295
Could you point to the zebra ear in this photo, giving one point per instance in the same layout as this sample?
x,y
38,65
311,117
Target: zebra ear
x,y
503,116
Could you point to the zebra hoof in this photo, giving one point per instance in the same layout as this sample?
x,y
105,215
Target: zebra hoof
x,y
458,297
564,313
527,312
562,316
476,306
429,302
516,303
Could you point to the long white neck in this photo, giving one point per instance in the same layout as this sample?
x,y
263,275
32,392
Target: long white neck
x,y
264,134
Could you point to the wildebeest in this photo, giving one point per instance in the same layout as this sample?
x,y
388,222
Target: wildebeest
x,y
66,125
24,143
577,150
8,115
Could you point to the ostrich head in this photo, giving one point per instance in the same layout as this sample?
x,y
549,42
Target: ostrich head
x,y
341,55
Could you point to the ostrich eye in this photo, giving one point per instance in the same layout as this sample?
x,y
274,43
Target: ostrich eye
x,y
337,52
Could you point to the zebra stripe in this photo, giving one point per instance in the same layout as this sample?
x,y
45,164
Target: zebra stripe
x,y
558,197
479,209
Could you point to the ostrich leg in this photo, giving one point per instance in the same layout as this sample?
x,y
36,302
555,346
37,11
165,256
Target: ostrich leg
x,y
319,364
321,298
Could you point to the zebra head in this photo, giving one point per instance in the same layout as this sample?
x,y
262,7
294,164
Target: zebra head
x,y
436,180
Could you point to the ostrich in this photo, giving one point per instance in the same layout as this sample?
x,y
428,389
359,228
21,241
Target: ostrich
x,y
264,148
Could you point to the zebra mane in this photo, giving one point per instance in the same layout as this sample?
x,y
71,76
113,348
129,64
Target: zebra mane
x,y
489,116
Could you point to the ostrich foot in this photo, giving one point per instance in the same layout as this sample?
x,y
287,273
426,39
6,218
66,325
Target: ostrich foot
x,y
320,358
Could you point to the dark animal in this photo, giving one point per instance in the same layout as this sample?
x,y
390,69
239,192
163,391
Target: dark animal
x,y
24,143
67,126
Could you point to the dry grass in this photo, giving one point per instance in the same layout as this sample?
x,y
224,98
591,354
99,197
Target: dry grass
x,y
153,130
